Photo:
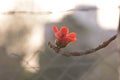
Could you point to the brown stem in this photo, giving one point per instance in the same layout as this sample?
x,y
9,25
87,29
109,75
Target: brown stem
x,y
56,49
103,45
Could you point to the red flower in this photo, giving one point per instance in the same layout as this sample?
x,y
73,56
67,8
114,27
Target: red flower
x,y
62,36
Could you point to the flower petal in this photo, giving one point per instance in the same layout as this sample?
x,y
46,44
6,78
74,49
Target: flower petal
x,y
73,39
62,36
64,30
58,35
72,35
69,39
55,29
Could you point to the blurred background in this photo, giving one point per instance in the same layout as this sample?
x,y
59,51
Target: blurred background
x,y
26,28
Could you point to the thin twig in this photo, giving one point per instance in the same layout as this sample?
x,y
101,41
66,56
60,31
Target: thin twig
x,y
44,12
101,46
28,12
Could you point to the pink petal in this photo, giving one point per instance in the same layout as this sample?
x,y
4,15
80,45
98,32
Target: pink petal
x,y
72,35
58,35
73,40
55,29
64,30
69,39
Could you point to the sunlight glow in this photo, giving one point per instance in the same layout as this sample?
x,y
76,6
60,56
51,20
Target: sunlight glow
x,y
56,16
6,5
35,41
107,13
36,38
57,7
108,18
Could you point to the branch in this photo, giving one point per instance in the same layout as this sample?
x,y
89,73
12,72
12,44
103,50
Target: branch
x,y
28,12
44,12
103,45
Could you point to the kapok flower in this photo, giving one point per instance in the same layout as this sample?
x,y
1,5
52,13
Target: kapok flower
x,y
63,37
